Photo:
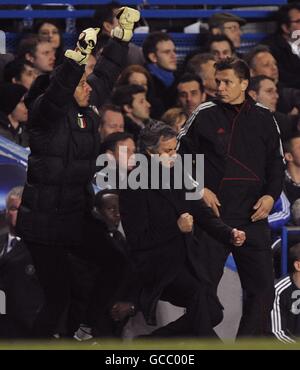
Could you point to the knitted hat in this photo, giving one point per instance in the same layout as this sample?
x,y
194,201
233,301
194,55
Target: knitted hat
x,y
10,95
218,19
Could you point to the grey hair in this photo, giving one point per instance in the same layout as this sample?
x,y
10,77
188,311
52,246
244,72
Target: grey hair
x,y
15,192
150,136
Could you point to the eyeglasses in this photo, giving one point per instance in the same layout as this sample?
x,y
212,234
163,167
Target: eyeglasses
x,y
296,21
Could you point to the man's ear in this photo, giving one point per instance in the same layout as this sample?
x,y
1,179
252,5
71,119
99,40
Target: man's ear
x,y
244,85
253,94
288,157
107,27
203,97
152,57
285,29
297,266
29,57
127,108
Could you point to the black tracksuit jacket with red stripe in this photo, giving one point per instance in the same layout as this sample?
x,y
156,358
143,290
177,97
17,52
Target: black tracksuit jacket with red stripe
x,y
242,158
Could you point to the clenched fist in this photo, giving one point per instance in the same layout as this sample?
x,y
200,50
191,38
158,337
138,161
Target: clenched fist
x,y
185,223
126,17
238,237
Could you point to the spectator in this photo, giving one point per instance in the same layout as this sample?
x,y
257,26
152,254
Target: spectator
x,y
190,92
20,71
264,91
49,30
220,46
111,120
292,173
227,24
18,280
203,65
39,53
280,43
135,106
285,313
138,75
175,117
13,113
160,55
262,62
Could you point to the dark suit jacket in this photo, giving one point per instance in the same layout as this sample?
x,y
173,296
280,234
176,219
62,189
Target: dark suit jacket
x,y
159,248
24,296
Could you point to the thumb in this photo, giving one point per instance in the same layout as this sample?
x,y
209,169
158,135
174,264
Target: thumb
x,y
97,29
257,204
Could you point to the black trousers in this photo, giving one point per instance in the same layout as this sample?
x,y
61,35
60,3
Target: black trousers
x,y
203,310
54,273
255,267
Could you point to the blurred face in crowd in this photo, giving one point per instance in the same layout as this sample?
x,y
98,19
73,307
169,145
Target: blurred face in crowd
x,y
189,95
220,50
294,24
233,31
208,77
111,122
124,153
137,78
140,107
180,122
265,64
12,208
20,113
267,94
27,77
49,32
83,92
294,155
110,210
90,65
44,57
231,89
165,55
167,151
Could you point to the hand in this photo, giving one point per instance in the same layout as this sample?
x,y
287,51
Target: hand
x,y
294,112
212,201
185,223
238,237
85,44
263,207
121,310
127,17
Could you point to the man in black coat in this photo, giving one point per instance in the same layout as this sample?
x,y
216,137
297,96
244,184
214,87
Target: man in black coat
x,y
159,229
243,170
18,281
64,145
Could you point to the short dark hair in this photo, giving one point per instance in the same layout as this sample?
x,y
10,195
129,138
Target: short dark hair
x,y
123,95
249,57
219,38
188,77
294,255
239,66
150,42
108,107
15,68
151,135
98,200
254,83
287,144
104,13
194,65
112,140
282,15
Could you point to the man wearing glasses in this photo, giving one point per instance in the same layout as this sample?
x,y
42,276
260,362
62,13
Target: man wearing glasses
x,y
285,44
